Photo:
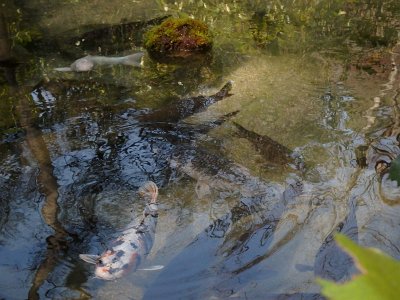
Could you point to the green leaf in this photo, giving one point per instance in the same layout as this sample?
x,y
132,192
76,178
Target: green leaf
x,y
379,278
394,171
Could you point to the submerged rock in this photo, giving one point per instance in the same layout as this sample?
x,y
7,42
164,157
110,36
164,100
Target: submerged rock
x,y
178,38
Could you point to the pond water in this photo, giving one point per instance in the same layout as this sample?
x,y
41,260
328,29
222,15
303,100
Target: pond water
x,y
252,189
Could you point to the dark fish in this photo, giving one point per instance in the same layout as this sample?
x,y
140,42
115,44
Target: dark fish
x,y
215,172
132,246
182,109
271,150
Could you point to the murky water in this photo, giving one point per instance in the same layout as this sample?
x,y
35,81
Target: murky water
x,y
251,189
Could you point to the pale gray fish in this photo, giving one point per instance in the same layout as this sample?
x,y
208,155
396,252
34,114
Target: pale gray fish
x,y
88,62
129,250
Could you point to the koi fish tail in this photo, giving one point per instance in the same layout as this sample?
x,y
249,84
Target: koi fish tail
x,y
149,191
133,59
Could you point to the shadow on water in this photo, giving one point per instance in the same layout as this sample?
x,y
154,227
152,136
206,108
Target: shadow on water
x,y
332,263
47,185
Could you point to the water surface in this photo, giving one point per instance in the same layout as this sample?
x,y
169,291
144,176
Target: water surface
x,y
236,221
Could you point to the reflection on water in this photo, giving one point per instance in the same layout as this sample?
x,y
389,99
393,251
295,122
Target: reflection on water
x,y
252,186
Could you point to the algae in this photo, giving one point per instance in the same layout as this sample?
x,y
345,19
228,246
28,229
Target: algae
x,y
178,37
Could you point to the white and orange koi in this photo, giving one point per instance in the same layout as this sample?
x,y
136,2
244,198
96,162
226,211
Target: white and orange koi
x,y
127,252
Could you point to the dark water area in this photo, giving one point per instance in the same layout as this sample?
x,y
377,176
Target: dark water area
x,y
262,150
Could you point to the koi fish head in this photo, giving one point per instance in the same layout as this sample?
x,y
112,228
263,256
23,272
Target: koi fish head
x,y
110,265
224,92
83,64
114,264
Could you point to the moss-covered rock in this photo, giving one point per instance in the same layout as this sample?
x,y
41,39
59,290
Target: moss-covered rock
x,y
178,38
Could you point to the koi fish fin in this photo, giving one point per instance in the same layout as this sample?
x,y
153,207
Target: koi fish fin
x,y
90,258
152,268
66,69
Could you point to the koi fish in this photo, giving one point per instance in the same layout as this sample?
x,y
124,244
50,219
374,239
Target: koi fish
x,y
127,252
88,62
271,150
179,110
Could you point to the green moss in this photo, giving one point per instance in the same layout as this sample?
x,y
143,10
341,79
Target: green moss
x,y
268,26
178,37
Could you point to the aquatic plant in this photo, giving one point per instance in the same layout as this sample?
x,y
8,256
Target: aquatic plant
x,y
267,25
178,37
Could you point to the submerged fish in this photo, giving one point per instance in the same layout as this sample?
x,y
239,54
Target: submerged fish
x,y
88,62
271,150
133,245
179,110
